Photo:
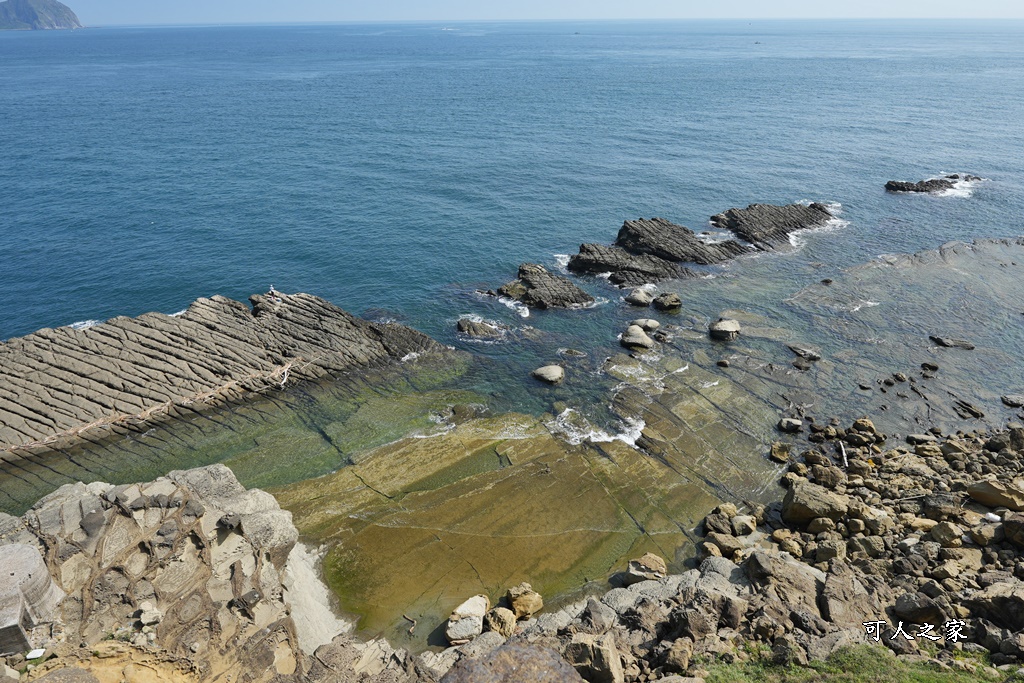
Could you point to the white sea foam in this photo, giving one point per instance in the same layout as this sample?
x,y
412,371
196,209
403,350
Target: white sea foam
x,y
575,429
84,324
500,327
522,309
961,188
708,385
863,303
179,313
563,262
412,355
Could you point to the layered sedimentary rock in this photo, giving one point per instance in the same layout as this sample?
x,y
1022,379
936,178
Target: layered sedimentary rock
x,y
537,288
650,251
58,384
932,185
767,226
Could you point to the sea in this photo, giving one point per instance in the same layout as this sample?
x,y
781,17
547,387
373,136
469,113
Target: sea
x,y
400,170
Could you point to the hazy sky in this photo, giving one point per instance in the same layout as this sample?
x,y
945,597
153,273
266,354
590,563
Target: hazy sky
x,y
107,12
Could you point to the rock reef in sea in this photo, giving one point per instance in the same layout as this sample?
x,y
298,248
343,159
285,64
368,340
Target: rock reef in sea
x,y
57,385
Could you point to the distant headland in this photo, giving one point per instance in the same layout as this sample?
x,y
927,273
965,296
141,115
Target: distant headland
x,y
32,15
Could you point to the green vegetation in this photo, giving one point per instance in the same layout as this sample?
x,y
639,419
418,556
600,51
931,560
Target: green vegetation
x,y
861,664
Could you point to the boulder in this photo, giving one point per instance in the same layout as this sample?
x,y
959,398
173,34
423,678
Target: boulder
x,y
1013,528
779,452
668,301
514,662
790,425
537,288
595,658
597,618
805,501
501,620
994,493
648,567
724,329
918,608
525,601
1014,400
639,297
552,374
947,534
635,338
1001,603
467,620
648,324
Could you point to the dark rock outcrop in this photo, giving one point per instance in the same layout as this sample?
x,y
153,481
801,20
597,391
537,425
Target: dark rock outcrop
x,y
931,185
58,383
36,15
767,226
648,251
537,288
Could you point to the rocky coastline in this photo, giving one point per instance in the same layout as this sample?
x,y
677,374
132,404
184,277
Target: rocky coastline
x,y
64,385
192,577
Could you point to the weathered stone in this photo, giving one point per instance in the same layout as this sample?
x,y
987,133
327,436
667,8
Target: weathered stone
x,y
513,662
478,329
649,567
951,343
1013,528
639,297
537,288
994,493
779,452
467,620
1001,603
635,338
501,621
743,525
724,329
128,367
922,186
806,501
805,352
768,227
947,534
525,601
552,374
667,301
597,618
677,659
595,658
790,425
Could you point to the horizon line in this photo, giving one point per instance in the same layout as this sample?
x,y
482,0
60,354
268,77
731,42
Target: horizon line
x,y
313,22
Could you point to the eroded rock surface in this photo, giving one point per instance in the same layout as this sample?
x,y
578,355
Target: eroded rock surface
x,y
538,288
59,385
767,226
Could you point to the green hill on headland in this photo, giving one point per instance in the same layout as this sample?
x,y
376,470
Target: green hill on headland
x,y
36,15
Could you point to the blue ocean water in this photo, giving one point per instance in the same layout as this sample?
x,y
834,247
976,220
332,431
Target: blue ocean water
x,y
395,169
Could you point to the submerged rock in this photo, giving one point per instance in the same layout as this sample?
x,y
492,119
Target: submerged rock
x,y
537,288
552,374
724,329
639,297
951,343
933,185
635,338
669,301
478,329
767,226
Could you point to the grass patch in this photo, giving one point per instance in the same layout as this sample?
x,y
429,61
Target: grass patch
x,y
861,664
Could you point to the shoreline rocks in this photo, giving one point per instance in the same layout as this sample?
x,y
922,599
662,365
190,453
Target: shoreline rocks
x,y
538,288
60,385
767,226
930,186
